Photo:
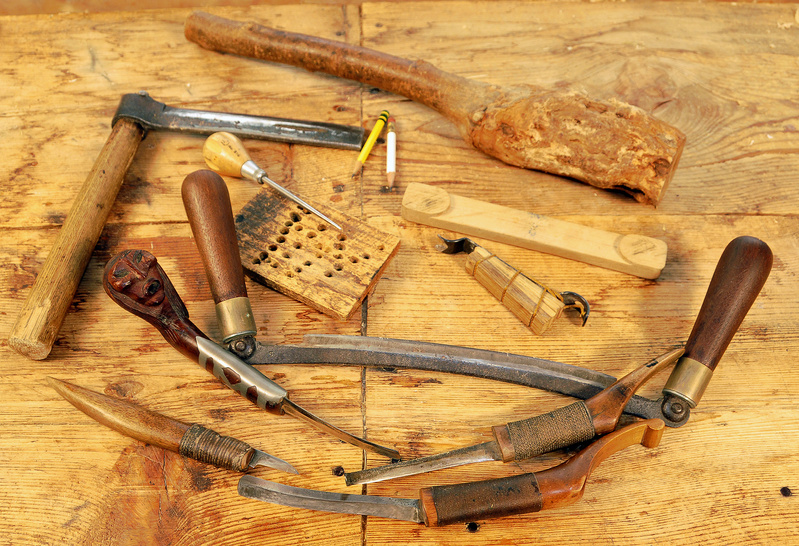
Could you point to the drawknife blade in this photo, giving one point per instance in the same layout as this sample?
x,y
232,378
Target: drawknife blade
x,y
341,503
528,371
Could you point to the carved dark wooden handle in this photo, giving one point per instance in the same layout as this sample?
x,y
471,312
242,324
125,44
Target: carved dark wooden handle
x,y
740,274
207,202
136,282
532,492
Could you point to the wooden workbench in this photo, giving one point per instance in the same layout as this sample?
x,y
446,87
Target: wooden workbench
x,y
726,74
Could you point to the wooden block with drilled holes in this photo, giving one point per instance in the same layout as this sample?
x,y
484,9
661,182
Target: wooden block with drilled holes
x,y
296,253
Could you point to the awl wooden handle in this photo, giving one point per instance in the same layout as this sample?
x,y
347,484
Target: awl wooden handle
x,y
634,254
40,318
208,208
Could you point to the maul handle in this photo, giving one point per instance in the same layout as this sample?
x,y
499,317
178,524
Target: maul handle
x,y
741,272
40,318
207,203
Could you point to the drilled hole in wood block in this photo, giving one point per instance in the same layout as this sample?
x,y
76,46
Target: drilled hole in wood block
x,y
308,260
256,261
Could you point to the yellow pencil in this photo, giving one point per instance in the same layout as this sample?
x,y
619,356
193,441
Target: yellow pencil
x,y
370,142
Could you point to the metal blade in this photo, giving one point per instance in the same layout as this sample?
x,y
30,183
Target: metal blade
x,y
151,114
396,353
293,409
488,451
341,503
261,458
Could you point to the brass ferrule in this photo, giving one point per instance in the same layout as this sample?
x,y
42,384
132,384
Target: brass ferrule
x,y
235,318
688,380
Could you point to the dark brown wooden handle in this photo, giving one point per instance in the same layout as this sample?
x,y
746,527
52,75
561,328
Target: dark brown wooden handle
x,y
40,318
741,272
552,488
207,203
136,282
419,81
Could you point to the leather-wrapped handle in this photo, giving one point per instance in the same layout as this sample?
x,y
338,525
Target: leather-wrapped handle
x,y
207,203
532,492
740,274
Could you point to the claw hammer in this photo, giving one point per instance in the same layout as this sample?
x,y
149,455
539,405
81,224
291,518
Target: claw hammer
x,y
40,318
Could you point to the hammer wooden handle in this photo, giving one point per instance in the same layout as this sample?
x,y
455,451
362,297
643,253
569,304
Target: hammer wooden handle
x,y
40,318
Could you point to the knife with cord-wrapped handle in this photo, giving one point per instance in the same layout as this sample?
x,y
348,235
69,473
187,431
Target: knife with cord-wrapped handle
x,y
520,440
138,284
740,274
447,504
194,441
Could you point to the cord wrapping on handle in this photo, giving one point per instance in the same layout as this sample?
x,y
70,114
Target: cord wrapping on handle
x,y
205,445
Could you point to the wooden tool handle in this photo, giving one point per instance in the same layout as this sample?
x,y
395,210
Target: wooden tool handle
x,y
207,203
193,441
634,254
40,318
535,305
532,492
136,282
419,81
577,422
225,153
740,274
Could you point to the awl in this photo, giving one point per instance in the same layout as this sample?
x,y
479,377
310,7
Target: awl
x,y
446,504
136,282
520,440
194,441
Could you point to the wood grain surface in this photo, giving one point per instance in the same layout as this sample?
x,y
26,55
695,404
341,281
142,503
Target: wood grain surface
x,y
725,73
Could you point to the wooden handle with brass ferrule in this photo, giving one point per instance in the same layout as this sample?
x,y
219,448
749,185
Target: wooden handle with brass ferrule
x,y
207,203
40,318
193,441
532,492
740,274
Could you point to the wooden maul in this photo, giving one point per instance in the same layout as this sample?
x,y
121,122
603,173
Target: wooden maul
x,y
286,248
